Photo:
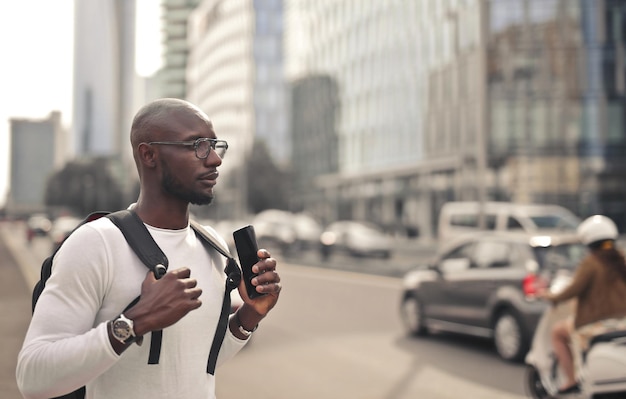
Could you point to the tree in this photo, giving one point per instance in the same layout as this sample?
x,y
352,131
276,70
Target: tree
x,y
85,186
268,185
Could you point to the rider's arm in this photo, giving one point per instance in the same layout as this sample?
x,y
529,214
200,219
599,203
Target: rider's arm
x,y
581,281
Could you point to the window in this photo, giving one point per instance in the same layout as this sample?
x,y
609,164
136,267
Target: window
x,y
464,251
490,221
464,220
513,224
458,259
492,254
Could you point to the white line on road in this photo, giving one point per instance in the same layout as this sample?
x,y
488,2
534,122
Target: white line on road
x,y
340,275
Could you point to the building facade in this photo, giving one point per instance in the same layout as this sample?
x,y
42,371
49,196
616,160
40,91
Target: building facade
x,y
105,98
172,75
519,100
107,90
235,74
36,151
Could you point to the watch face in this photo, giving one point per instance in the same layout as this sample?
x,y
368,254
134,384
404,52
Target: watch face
x,y
121,329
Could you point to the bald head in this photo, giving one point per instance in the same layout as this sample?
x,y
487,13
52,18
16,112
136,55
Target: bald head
x,y
155,118
164,119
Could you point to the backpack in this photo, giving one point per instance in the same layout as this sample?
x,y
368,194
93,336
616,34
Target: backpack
x,y
144,246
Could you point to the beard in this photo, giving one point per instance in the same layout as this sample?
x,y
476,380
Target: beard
x,y
175,187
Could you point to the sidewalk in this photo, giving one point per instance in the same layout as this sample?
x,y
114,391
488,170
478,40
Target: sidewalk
x,y
15,308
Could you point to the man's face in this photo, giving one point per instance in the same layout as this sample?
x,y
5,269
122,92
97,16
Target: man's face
x,y
183,175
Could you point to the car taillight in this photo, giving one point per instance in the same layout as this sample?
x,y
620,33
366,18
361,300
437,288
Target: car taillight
x,y
533,284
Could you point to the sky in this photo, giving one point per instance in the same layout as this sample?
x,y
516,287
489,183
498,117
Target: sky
x,y
36,43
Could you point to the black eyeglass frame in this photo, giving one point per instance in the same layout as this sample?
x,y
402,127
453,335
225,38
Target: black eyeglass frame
x,y
214,144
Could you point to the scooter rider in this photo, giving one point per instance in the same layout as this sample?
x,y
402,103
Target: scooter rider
x,y
599,286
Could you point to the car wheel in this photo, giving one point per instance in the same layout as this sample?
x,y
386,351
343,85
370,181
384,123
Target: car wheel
x,y
534,386
509,337
413,316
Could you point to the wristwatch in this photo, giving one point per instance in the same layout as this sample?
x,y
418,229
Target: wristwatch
x,y
122,329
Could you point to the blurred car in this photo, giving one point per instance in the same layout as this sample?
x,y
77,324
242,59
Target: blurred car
x,y
356,239
38,225
274,230
459,218
307,230
486,285
62,226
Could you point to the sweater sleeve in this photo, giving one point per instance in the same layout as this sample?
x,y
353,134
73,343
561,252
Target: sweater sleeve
x,y
63,349
581,281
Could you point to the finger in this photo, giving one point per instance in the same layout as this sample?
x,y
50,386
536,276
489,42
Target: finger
x,y
263,253
189,282
264,265
182,272
272,288
266,278
150,277
193,293
194,303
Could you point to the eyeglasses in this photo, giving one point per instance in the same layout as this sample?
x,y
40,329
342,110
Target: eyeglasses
x,y
202,146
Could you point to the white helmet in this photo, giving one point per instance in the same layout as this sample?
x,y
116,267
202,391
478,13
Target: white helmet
x,y
597,228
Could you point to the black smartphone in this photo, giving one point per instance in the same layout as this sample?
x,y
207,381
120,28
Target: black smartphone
x,y
245,242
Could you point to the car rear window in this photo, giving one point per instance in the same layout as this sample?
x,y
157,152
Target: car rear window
x,y
471,220
553,222
566,256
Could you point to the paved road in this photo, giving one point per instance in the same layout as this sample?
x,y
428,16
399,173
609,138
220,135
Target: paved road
x,y
15,315
338,335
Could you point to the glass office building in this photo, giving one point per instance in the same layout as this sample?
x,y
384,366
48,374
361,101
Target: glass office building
x,y
516,100
235,74
556,71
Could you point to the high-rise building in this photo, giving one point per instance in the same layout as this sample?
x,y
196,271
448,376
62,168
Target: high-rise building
x,y
377,55
37,149
172,75
235,74
104,78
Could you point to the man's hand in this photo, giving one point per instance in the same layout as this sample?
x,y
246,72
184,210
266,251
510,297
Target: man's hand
x,y
165,301
267,282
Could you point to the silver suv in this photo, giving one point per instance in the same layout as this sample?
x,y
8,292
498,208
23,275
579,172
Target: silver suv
x,y
485,285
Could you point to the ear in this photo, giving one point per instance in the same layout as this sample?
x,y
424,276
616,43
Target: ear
x,y
147,155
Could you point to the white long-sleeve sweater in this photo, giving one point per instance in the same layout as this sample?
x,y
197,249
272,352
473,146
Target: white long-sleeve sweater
x,y
95,276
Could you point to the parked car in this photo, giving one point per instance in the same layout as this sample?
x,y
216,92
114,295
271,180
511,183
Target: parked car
x,y
356,239
38,225
485,285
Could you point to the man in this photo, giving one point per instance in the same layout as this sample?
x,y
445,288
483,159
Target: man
x,y
71,342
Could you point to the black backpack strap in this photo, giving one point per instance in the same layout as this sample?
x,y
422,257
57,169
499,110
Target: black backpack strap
x,y
139,238
142,243
233,276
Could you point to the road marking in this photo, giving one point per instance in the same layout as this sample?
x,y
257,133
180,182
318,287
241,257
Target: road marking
x,y
340,276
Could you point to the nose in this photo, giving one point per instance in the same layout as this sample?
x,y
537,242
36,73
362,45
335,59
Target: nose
x,y
213,158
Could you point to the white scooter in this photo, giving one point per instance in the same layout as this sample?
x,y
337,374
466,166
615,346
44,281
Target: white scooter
x,y
601,370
